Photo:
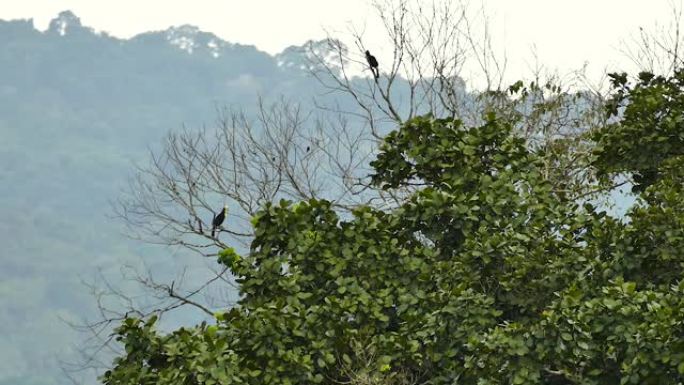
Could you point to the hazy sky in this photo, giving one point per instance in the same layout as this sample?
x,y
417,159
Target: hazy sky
x,y
565,33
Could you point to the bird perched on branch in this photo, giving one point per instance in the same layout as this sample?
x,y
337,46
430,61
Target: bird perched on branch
x,y
373,63
218,221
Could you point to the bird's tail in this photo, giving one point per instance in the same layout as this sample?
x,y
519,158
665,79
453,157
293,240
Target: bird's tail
x,y
376,73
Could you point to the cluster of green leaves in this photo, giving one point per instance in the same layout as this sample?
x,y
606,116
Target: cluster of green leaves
x,y
485,275
648,127
199,355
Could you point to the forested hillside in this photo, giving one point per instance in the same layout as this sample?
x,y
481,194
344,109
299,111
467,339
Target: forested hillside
x,y
77,109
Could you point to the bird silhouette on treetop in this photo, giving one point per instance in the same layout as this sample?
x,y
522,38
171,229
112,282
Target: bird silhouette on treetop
x,y
373,63
218,221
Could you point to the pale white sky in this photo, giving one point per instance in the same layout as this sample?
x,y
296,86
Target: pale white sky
x,y
566,34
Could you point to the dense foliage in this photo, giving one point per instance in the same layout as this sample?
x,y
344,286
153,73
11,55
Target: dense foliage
x,y
650,131
485,275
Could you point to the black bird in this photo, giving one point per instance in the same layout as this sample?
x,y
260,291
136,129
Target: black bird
x,y
218,221
373,63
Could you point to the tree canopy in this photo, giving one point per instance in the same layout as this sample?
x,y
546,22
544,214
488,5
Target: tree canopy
x,y
486,274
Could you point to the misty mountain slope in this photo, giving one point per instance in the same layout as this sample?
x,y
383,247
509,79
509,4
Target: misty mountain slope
x,y
76,109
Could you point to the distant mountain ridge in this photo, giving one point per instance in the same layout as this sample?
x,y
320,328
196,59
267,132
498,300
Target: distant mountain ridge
x,y
186,37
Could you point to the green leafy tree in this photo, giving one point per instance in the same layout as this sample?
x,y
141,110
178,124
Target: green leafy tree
x,y
650,131
486,274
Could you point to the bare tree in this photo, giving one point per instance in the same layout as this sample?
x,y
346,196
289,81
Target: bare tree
x,y
658,49
442,60
430,47
284,152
